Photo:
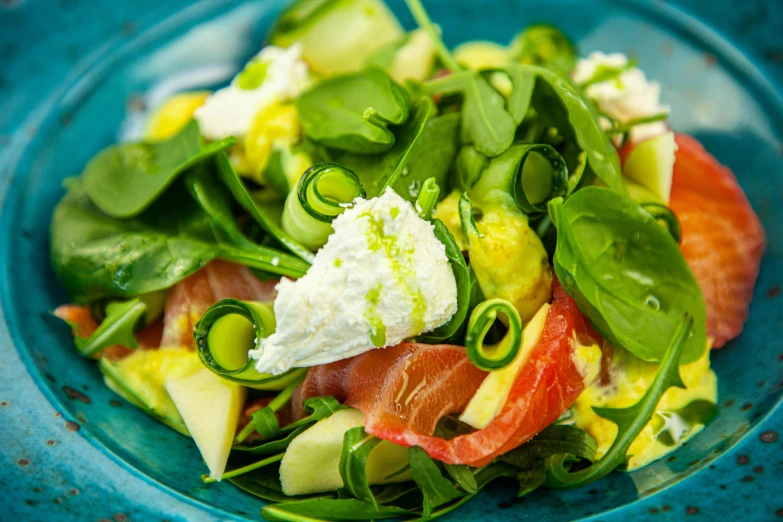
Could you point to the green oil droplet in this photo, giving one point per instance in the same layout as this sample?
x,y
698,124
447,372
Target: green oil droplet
x,y
338,262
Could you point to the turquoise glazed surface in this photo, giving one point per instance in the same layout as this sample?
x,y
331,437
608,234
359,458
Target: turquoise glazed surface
x,y
77,75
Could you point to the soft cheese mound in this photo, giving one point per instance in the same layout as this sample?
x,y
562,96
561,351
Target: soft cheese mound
x,y
230,111
381,278
627,96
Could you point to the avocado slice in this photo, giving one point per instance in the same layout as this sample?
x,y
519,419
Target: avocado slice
x,y
651,165
139,377
312,462
210,407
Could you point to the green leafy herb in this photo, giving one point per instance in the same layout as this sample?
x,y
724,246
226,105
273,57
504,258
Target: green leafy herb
x,y
485,122
627,274
215,200
377,172
265,483
206,479
544,45
605,73
125,179
463,475
670,427
352,112
428,196
469,166
437,489
357,446
423,19
121,321
268,216
630,421
329,509
666,218
560,104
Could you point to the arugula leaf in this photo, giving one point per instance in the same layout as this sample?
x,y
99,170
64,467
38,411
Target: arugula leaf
x,y
626,273
462,475
630,421
377,172
670,427
329,509
485,122
121,321
554,440
544,45
352,112
560,104
469,166
268,216
437,489
357,446
125,179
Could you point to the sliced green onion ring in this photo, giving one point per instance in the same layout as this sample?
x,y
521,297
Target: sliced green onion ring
x,y
500,355
323,192
527,175
428,196
666,217
227,331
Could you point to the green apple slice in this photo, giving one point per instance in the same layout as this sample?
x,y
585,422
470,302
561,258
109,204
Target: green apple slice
x,y
651,165
493,392
312,461
481,54
210,407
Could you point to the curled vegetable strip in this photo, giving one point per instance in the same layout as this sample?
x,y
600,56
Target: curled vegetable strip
x,y
324,191
500,355
224,335
666,217
527,175
630,421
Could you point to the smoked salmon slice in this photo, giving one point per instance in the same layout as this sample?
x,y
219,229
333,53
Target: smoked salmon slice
x,y
187,301
722,237
405,390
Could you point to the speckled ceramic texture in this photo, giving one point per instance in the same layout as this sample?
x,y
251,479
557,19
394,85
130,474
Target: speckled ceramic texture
x,y
77,74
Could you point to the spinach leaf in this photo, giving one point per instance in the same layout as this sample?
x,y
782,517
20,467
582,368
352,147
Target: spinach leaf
x,y
464,290
630,421
117,328
485,122
125,179
352,112
560,104
544,45
437,489
627,273
329,509
268,215
430,157
377,172
97,256
357,446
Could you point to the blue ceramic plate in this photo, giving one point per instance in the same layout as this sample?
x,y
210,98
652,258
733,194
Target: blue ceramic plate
x,y
58,111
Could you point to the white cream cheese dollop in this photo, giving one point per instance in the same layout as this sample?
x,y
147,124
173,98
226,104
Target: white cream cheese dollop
x,y
230,111
381,278
628,96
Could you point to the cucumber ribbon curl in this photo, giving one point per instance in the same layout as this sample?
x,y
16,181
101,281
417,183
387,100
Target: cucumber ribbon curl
x,y
323,192
227,331
497,356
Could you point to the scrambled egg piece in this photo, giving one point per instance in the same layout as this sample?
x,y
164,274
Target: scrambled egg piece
x,y
629,379
175,113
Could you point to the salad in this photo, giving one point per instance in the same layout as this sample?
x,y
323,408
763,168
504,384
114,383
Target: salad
x,y
372,274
